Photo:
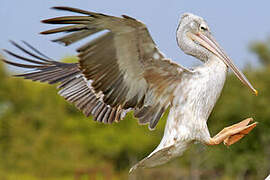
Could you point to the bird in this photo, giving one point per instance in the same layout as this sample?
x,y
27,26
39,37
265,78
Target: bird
x,y
122,70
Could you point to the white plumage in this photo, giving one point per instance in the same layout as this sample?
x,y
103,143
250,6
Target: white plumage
x,y
123,70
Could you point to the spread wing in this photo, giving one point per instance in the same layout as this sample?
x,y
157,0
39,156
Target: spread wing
x,y
73,85
123,68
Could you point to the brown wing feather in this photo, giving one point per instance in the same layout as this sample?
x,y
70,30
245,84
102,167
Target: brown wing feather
x,y
73,86
124,64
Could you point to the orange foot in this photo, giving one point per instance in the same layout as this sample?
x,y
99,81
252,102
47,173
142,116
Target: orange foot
x,y
234,133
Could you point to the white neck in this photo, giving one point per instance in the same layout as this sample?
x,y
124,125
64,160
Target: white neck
x,y
207,86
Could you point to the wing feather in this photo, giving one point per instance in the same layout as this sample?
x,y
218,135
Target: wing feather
x,y
119,71
123,64
73,85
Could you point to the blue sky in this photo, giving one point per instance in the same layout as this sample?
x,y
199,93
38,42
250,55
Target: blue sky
x,y
235,24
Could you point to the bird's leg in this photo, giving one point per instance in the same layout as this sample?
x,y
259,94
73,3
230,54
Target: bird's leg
x,y
234,133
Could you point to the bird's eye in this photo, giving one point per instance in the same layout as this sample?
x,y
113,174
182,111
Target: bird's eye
x,y
204,28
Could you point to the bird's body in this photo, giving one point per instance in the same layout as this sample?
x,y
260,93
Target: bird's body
x,y
194,99
123,70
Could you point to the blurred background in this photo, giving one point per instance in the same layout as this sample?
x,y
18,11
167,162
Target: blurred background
x,y
44,137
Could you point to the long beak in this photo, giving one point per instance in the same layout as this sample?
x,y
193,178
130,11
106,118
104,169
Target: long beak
x,y
210,43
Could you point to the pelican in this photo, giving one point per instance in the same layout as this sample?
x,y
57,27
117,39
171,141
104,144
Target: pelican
x,y
123,70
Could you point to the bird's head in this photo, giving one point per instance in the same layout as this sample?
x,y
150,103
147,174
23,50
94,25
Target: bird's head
x,y
189,25
194,38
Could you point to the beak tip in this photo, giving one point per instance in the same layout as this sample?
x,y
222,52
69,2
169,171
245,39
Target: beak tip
x,y
256,92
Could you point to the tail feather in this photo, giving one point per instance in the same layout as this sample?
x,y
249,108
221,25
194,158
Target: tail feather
x,y
154,159
161,155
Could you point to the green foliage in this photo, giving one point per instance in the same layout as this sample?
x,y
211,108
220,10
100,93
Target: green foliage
x,y
262,49
44,137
